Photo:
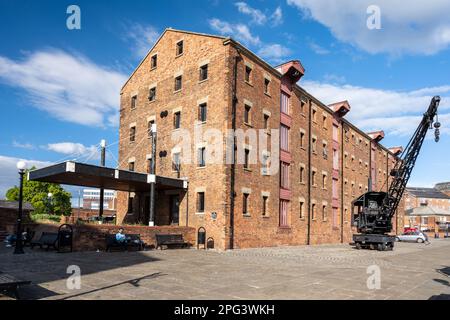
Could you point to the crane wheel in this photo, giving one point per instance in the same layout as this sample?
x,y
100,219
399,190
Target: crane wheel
x,y
381,247
358,246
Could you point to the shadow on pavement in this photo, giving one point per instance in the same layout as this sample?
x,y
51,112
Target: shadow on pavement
x,y
41,267
133,282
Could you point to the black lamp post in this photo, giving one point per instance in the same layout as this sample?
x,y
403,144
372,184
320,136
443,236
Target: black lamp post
x,y
21,165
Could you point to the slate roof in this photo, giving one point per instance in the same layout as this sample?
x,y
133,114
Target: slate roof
x,y
427,193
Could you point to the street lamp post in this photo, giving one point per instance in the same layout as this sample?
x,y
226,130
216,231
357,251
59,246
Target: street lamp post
x,y
49,201
21,165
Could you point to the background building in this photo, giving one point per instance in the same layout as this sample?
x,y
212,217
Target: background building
x,y
190,81
428,208
91,199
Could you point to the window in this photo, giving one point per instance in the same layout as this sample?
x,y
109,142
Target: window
x,y
130,205
324,121
152,94
149,128
202,111
324,181
133,102
245,203
131,166
177,120
314,115
265,164
180,48
133,134
264,205
154,61
335,217
246,159
302,209
176,164
284,137
247,113
324,212
302,139
284,176
313,211
325,150
335,159
284,213
302,174
334,188
204,72
266,86
313,178
178,83
248,74
201,157
285,103
266,121
200,202
335,133
314,144
302,105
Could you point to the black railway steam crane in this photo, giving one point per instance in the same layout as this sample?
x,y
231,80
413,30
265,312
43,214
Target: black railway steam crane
x,y
372,212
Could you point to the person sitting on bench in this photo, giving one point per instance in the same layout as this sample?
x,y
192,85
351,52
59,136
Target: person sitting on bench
x,y
120,236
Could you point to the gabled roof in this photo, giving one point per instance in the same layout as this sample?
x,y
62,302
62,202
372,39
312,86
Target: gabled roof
x,y
427,193
376,135
427,211
159,39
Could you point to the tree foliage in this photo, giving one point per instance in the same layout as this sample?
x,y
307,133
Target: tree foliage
x,y
36,193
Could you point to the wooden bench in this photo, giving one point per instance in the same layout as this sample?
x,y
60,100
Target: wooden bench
x,y
48,239
169,240
133,241
10,284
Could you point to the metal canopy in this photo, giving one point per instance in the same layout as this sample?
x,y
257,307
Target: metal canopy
x,y
87,175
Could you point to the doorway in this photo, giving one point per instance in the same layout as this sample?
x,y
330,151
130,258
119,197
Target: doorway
x,y
174,210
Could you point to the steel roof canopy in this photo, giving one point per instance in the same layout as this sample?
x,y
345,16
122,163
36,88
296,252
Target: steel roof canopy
x,y
87,175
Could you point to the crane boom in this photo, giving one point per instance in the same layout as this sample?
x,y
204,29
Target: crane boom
x,y
404,166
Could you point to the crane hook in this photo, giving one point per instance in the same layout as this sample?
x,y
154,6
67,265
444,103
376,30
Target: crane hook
x,y
437,132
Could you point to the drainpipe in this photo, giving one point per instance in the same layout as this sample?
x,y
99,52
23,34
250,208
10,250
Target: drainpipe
x,y
102,190
233,162
308,239
342,180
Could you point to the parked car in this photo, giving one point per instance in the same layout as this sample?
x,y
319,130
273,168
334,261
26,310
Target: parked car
x,y
412,236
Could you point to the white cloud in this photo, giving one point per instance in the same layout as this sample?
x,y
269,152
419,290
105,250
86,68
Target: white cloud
x,y
240,31
396,112
274,52
277,17
143,38
76,149
8,172
68,87
416,26
318,49
257,16
26,145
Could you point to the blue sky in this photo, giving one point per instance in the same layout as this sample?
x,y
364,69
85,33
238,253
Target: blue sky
x,y
59,88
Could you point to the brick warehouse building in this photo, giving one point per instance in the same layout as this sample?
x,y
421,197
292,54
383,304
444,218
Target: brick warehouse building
x,y
190,80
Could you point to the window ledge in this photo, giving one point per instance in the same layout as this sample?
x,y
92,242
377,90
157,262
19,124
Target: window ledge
x,y
179,55
247,215
248,170
248,124
265,216
249,83
202,81
200,168
151,101
268,94
154,68
177,91
200,213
